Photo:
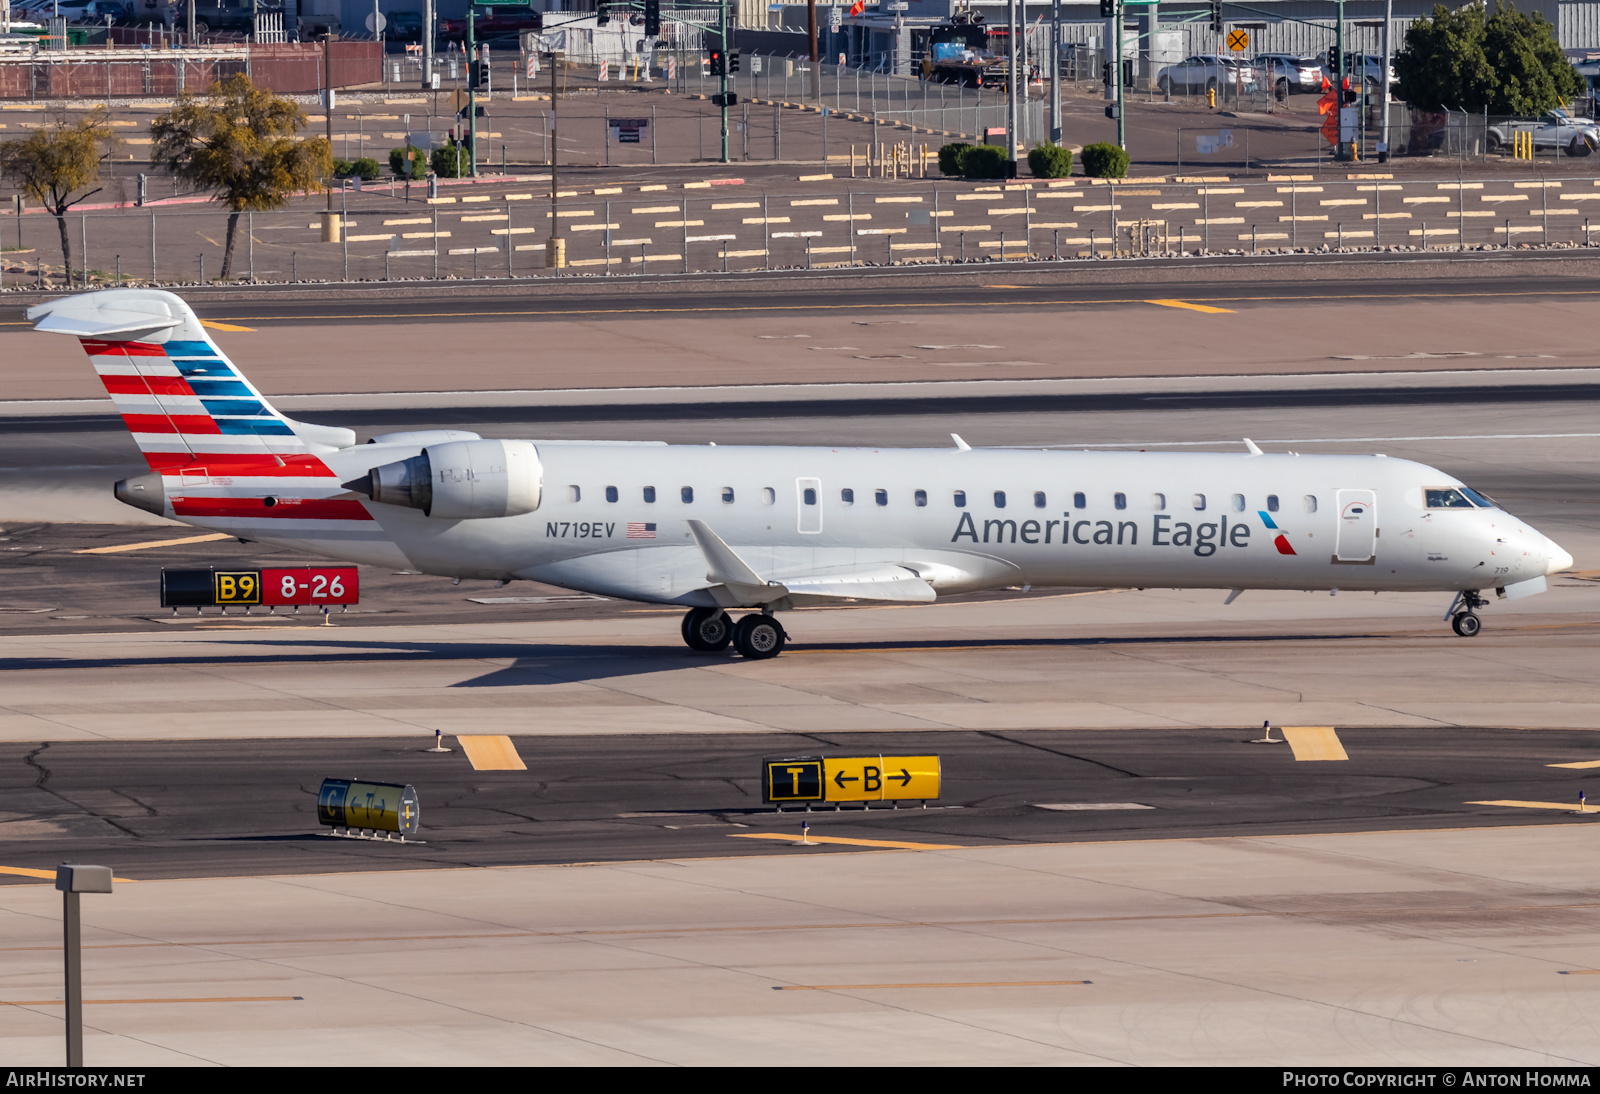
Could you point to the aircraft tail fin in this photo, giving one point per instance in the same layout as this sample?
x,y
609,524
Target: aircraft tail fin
x,y
181,397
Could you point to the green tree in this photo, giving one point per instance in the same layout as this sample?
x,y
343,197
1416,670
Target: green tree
x,y
56,161
239,140
1507,62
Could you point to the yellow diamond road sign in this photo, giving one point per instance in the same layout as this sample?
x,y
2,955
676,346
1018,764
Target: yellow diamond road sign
x,y
1238,40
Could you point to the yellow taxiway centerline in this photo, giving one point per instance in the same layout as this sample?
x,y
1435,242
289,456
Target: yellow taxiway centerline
x,y
882,843
1579,765
212,324
1207,308
957,984
119,548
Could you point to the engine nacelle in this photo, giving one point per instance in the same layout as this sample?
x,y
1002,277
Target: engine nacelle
x,y
461,480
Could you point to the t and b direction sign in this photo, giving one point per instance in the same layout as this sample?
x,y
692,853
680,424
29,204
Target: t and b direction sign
x,y
825,779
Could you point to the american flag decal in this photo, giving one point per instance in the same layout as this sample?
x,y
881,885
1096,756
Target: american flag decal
x,y
641,531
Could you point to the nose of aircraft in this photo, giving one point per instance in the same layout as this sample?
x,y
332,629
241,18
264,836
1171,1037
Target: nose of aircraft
x,y
1559,559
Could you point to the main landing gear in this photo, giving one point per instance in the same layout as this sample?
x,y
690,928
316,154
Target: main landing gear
x,y
756,636
1466,622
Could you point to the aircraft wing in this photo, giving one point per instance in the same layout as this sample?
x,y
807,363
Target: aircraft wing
x,y
739,584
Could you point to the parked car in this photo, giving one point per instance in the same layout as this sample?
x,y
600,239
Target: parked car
x,y
403,26
1369,64
1555,129
1205,72
1289,72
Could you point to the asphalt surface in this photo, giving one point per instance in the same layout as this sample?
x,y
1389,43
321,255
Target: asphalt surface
x,y
217,808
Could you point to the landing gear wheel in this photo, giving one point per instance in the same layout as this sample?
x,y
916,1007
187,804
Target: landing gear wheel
x,y
758,636
707,629
1466,624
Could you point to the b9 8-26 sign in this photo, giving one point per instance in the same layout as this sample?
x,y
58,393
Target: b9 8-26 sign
x,y
279,586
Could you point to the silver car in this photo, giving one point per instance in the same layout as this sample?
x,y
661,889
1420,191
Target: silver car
x,y
1206,72
1288,72
1554,129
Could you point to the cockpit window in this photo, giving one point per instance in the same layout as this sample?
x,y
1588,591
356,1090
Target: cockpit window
x,y
1447,499
1482,501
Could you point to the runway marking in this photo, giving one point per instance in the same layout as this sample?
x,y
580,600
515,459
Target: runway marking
x,y
153,543
1565,807
212,324
103,1002
47,875
491,753
953,984
892,844
1314,743
1580,765
1207,308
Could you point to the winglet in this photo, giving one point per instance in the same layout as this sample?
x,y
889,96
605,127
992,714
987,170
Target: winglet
x,y
723,565
960,444
1255,449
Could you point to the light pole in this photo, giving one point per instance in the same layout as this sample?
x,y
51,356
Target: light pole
x,y
555,248
428,16
472,89
72,880
1011,89
1055,71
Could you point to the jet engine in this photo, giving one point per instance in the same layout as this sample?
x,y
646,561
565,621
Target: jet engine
x,y
461,480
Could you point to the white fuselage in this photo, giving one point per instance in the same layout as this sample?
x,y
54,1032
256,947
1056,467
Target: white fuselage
x,y
1066,518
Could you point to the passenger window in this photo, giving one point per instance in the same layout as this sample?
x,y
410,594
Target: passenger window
x,y
1079,501
1119,500
1272,503
1238,503
687,494
882,497
999,499
769,496
1311,503
1199,502
920,498
727,495
810,496
1158,502
574,494
1447,499
1038,499
847,496
961,499
650,494
611,493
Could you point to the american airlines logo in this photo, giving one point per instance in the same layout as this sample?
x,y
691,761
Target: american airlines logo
x,y
1204,539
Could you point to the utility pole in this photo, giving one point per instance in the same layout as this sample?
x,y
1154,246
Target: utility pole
x,y
555,249
190,15
816,60
327,95
472,89
1122,106
428,17
1012,65
722,23
1055,71
1383,133
1339,78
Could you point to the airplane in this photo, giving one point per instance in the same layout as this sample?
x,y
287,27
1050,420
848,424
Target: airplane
x,y
756,531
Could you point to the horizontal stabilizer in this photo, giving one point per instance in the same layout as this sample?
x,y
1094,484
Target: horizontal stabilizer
x,y
107,324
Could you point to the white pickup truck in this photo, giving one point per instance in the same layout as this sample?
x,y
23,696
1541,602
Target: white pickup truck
x,y
1555,129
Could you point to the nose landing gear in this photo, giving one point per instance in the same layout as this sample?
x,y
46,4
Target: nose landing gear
x,y
1466,622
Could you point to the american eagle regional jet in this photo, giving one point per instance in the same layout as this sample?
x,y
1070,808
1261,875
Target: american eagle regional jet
x,y
758,530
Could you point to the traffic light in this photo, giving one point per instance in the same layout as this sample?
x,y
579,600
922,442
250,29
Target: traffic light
x,y
652,18
730,99
480,74
601,17
1108,9
1333,59
733,61
719,62
1216,16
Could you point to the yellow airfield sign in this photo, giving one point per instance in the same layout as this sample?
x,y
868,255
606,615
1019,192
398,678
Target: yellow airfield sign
x,y
850,778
